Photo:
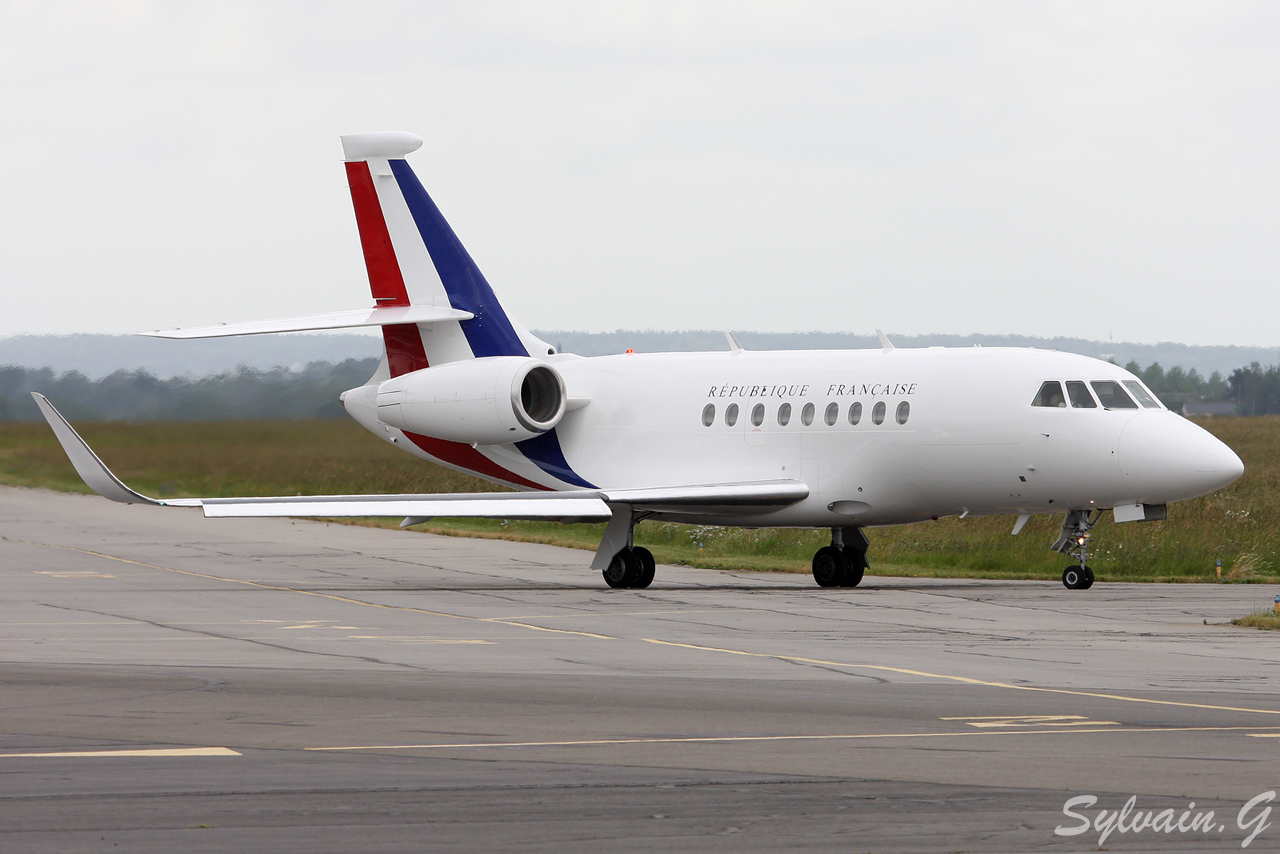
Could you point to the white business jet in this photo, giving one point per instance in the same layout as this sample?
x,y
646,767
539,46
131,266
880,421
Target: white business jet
x,y
843,440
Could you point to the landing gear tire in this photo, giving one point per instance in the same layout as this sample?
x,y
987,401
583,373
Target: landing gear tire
x,y
624,570
1074,541
1077,578
647,567
856,561
830,568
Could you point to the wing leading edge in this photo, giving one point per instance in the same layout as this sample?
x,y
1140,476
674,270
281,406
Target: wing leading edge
x,y
586,505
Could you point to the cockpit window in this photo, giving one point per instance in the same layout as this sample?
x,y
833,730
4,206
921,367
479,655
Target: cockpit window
x,y
1112,395
1050,395
1146,398
1080,397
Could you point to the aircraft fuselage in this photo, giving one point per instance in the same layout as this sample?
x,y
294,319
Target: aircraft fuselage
x,y
880,437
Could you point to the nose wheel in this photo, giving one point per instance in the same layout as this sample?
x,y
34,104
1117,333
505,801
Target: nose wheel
x,y
1077,578
1074,541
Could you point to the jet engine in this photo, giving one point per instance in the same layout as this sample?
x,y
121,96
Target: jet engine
x,y
489,401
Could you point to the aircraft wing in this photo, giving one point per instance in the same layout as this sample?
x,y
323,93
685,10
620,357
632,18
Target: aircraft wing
x,y
584,505
575,506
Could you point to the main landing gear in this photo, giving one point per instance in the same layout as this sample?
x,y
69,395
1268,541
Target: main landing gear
x,y
631,567
842,563
1074,541
620,560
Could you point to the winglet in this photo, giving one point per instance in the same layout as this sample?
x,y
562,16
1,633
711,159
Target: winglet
x,y
88,466
734,346
885,343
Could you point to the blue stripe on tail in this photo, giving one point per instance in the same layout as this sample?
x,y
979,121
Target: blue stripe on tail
x,y
490,332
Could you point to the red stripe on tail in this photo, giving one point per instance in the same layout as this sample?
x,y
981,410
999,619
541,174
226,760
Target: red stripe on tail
x,y
385,279
405,351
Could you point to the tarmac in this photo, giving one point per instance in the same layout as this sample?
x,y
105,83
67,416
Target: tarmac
x,y
170,682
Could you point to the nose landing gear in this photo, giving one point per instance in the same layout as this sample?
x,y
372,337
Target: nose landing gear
x,y
1074,541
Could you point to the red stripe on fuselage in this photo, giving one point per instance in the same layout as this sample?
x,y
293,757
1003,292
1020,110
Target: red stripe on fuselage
x,y
466,457
385,279
406,353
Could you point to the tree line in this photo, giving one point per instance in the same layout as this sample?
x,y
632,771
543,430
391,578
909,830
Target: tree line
x,y
1177,386
312,392
245,393
1255,390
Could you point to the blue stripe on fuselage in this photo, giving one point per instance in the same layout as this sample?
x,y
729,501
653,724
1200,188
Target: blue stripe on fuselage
x,y
490,332
545,452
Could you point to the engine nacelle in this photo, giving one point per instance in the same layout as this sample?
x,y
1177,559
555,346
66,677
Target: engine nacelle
x,y
488,401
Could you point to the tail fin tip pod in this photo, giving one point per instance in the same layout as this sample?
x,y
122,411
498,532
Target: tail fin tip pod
x,y
380,145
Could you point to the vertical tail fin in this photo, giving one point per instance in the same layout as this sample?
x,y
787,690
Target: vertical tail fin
x,y
414,257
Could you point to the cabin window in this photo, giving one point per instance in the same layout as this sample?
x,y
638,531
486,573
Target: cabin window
x,y
708,415
1080,397
784,415
855,413
832,414
1111,395
877,414
806,414
903,413
1050,395
1146,398
731,414
757,415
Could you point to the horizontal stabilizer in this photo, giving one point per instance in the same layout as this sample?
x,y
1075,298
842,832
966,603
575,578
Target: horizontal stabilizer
x,y
380,316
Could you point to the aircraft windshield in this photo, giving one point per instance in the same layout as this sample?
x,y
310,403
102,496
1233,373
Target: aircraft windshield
x,y
1146,398
1080,397
1050,395
1112,395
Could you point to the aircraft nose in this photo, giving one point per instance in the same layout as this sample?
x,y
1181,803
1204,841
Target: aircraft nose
x,y
1166,458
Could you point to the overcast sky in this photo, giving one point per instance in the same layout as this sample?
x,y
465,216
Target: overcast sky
x,y
1083,169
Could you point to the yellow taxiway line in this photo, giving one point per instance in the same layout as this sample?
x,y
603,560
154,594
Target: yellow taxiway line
x,y
144,753
731,739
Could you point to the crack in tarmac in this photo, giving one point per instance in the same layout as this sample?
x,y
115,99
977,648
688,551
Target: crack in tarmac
x,y
219,636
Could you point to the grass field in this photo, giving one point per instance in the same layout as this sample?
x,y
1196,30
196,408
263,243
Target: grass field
x,y
1238,525
1261,620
